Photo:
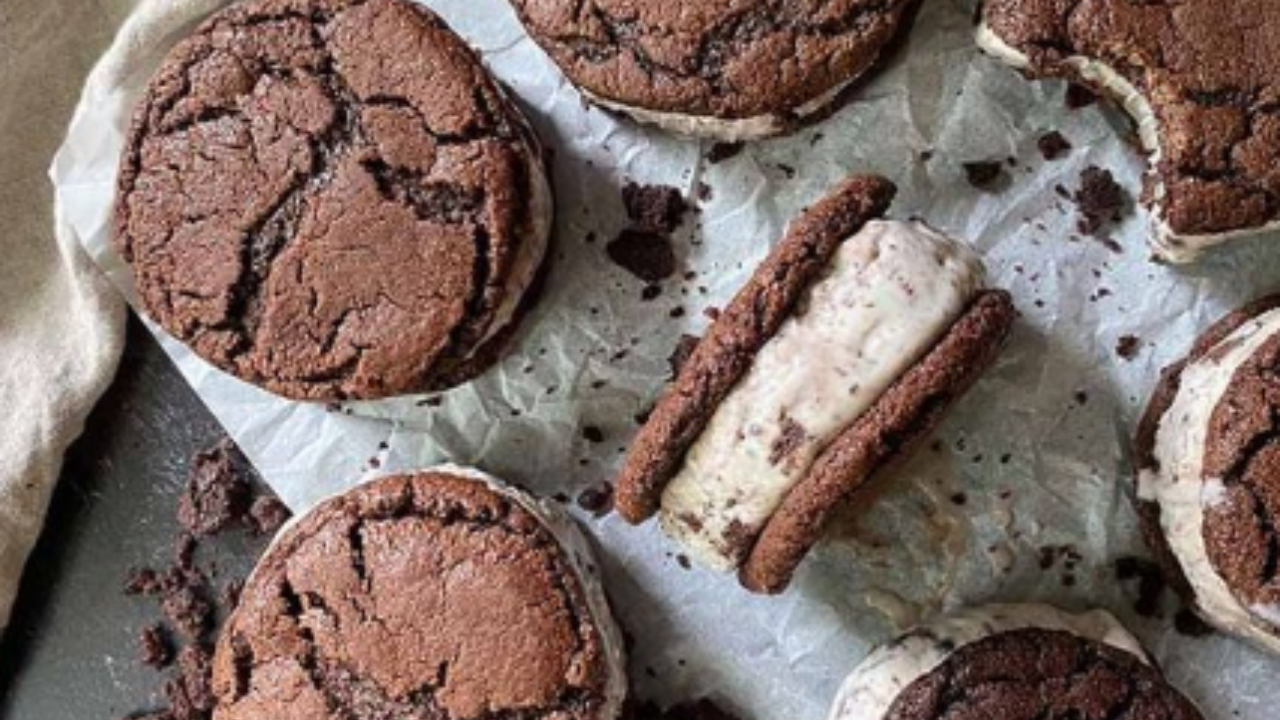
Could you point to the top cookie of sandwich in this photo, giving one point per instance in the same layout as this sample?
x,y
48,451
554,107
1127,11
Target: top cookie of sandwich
x,y
331,199
1201,79
730,69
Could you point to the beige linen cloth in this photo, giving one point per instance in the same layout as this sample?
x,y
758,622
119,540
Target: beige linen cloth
x,y
61,324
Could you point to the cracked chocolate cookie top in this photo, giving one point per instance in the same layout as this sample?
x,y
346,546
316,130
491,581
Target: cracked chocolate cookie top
x,y
1207,72
332,199
1242,451
427,597
1035,673
716,59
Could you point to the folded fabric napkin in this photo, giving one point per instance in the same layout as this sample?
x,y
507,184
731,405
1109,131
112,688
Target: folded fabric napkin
x,y
61,323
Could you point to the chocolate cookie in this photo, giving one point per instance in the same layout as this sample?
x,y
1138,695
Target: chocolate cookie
x,y
1201,80
727,70
850,340
332,199
1207,491
1013,662
433,595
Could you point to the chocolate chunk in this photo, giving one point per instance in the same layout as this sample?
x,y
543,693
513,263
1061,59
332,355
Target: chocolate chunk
x,y
788,441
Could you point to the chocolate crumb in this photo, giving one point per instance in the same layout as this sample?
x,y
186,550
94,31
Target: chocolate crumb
x,y
787,170
1187,623
651,292
1053,146
267,515
984,175
1150,583
185,603
142,581
657,209
1078,96
156,647
683,561
646,255
190,692
216,494
722,151
597,499
1100,201
593,434
1128,347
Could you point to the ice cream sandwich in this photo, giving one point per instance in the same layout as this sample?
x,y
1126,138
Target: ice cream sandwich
x,y
1208,481
849,341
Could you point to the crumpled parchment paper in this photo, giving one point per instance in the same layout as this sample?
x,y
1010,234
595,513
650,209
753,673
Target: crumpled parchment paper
x,y
1033,459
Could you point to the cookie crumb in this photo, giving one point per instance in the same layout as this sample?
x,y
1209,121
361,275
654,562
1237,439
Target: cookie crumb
x,y
646,255
267,515
722,151
1150,583
156,647
1053,146
216,495
655,209
1078,96
1187,623
1128,347
1101,201
985,175
597,499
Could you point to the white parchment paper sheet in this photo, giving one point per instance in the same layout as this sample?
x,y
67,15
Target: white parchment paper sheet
x,y
1038,450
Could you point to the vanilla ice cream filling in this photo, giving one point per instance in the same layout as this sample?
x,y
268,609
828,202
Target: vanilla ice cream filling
x,y
871,689
888,295
1166,243
756,127
577,550
1178,486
